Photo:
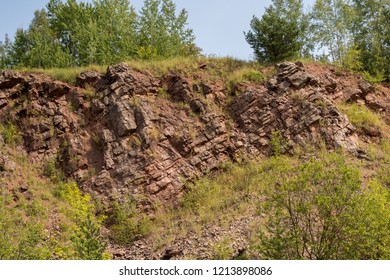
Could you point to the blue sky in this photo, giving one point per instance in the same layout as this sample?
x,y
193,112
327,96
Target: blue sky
x,y
217,24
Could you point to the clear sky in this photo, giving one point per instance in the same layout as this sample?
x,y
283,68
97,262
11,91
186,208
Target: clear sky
x,y
217,24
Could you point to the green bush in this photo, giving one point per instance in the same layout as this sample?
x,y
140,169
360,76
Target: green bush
x,y
127,224
318,210
276,143
10,134
84,227
88,242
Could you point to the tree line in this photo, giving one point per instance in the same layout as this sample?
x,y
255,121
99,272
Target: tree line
x,y
354,34
74,33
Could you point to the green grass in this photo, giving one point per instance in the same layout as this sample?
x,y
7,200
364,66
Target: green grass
x,y
67,75
10,134
41,222
227,69
240,189
363,118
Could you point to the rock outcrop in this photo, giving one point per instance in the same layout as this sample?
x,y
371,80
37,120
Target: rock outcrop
x,y
141,135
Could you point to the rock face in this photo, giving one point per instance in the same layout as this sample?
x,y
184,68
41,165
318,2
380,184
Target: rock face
x,y
294,104
132,138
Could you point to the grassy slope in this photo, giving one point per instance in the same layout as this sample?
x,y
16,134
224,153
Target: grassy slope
x,y
39,215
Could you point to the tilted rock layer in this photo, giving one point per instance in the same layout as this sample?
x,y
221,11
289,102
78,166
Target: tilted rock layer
x,y
128,132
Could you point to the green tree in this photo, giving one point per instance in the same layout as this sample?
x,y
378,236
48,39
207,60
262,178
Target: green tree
x,y
76,28
20,48
116,30
45,50
88,242
78,33
331,26
281,32
162,33
5,49
371,35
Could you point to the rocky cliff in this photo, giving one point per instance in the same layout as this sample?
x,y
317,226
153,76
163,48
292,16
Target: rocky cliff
x,y
129,132
132,134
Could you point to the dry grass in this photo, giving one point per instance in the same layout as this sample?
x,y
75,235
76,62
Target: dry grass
x,y
364,119
67,75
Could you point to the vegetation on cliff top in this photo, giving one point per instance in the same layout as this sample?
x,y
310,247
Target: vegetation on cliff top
x,y
348,33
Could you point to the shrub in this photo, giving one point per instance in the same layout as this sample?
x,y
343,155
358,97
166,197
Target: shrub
x,y
276,143
126,224
88,242
318,210
10,134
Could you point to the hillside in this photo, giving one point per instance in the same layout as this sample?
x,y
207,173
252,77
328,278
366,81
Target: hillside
x,y
152,149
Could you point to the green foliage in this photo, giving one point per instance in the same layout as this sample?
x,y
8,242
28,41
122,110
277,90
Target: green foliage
x,y
39,223
162,33
318,210
84,229
276,143
126,223
354,34
51,170
223,250
280,33
88,242
5,49
362,118
331,23
10,134
353,59
19,239
371,30
75,33
375,78
80,206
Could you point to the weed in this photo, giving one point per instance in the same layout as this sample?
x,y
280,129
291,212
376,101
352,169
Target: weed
x,y
223,250
89,93
10,134
276,143
51,170
362,118
297,96
134,141
154,133
126,223
134,101
67,75
98,141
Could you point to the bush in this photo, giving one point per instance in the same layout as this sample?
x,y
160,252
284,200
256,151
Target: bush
x,y
126,224
10,134
318,210
88,242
